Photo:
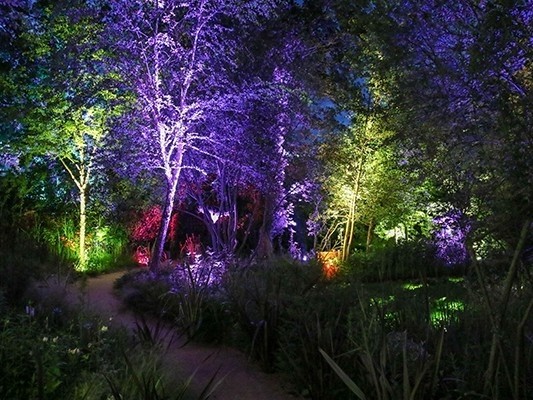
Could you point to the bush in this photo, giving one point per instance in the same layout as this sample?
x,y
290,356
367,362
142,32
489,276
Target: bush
x,y
188,294
18,267
62,354
41,358
259,295
313,321
397,261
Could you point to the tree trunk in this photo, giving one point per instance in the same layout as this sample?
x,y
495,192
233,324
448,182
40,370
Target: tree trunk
x,y
349,229
159,246
369,234
83,229
350,222
264,248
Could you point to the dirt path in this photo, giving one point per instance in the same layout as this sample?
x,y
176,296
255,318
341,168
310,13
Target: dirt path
x,y
242,379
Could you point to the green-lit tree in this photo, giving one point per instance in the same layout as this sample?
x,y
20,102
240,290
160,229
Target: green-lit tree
x,y
66,96
362,182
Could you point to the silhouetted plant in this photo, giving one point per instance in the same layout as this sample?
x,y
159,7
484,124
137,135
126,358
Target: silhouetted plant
x,y
259,295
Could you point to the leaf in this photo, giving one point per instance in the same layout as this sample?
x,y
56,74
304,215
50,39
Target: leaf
x,y
345,378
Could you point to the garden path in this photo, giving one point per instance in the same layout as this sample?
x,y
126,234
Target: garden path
x,y
242,379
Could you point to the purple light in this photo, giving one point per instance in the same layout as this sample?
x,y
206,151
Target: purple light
x,y
450,236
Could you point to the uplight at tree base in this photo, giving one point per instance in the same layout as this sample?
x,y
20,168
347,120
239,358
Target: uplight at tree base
x,y
330,262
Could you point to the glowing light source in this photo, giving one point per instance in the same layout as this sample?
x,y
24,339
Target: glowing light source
x,y
330,262
450,238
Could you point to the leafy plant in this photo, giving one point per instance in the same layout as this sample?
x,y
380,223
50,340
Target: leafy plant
x,y
43,359
259,295
316,320
345,378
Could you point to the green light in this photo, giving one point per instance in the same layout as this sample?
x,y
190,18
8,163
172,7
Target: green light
x,y
456,280
412,286
381,301
445,311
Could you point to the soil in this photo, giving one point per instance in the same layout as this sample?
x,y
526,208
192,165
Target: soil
x,y
242,379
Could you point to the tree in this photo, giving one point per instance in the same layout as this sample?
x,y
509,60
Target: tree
x,y
469,118
66,96
179,59
361,182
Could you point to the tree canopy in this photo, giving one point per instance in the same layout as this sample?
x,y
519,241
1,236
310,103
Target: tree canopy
x,y
275,116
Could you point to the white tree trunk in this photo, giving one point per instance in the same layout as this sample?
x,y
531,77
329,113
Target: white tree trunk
x,y
83,229
159,246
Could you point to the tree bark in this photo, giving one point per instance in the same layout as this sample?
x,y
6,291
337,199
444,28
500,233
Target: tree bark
x,y
369,234
265,249
83,229
159,246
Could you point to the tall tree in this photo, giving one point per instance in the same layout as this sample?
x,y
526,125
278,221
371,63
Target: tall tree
x,y
179,59
65,95
465,96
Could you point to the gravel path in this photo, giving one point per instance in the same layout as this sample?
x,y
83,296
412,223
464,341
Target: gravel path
x,y
242,379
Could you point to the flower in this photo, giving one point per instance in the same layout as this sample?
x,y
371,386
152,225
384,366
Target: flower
x,y
30,311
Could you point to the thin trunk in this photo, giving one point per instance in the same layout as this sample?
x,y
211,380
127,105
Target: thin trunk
x,y
348,231
83,229
264,248
214,230
159,246
232,224
350,222
369,235
249,225
82,182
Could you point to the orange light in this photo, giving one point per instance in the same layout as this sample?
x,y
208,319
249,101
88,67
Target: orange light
x,y
330,262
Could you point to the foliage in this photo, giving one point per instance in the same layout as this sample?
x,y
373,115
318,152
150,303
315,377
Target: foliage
x,y
19,265
414,113
459,101
310,322
419,340
397,261
188,294
49,353
56,352
361,182
258,296
180,59
422,338
66,95
106,247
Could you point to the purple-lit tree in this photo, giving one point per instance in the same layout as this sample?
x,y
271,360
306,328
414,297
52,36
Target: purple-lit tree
x,y
254,160
214,184
279,129
450,238
463,103
179,59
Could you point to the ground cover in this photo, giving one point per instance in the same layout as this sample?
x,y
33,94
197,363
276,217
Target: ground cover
x,y
426,338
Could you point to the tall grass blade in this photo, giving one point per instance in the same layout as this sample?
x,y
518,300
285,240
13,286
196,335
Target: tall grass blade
x,y
406,383
438,356
345,378
211,386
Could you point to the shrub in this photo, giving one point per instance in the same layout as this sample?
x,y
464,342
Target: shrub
x,y
69,354
396,261
40,358
188,294
259,295
313,321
